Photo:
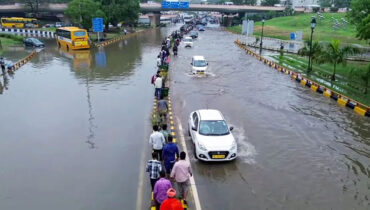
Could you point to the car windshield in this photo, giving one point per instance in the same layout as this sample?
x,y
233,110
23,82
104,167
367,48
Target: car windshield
x,y
188,40
200,63
80,33
213,128
194,32
36,41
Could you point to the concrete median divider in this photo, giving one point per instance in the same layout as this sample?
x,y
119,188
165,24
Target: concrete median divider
x,y
23,61
342,100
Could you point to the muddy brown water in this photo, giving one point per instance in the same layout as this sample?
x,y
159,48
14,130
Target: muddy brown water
x,y
75,126
297,149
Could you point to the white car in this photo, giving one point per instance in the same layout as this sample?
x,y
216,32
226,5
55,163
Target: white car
x,y
188,41
211,136
199,65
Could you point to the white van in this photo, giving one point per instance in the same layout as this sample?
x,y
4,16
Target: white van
x,y
199,65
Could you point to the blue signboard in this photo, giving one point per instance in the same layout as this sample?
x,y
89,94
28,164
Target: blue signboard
x,y
166,4
175,4
98,25
184,4
292,36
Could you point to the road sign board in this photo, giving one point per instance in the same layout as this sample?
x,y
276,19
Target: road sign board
x,y
98,25
184,4
175,4
292,36
166,4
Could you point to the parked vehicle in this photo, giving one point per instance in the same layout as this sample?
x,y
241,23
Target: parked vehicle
x,y
199,65
188,41
211,136
33,42
59,24
19,22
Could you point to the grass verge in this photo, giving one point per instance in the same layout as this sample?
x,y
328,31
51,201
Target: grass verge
x,y
10,40
281,28
350,80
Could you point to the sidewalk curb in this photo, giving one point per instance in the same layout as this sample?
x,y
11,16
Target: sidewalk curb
x,y
342,100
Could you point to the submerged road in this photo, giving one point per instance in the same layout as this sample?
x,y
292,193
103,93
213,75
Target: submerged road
x,y
74,126
297,149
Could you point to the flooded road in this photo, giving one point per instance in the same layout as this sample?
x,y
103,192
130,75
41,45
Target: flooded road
x,y
74,126
297,149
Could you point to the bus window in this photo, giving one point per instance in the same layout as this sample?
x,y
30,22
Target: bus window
x,y
80,33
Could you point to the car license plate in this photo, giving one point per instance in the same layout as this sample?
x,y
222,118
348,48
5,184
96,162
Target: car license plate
x,y
80,43
200,72
218,156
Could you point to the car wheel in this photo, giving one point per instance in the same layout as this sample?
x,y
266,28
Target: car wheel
x,y
189,131
67,48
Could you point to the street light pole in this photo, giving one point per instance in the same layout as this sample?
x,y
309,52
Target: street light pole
x,y
263,23
313,25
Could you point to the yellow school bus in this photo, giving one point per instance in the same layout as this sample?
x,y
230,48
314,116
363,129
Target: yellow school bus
x,y
19,22
72,38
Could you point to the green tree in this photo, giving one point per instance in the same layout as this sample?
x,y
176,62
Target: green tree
x,y
82,12
325,3
269,2
336,55
315,53
121,10
360,16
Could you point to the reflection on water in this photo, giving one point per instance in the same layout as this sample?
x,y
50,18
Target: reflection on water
x,y
81,59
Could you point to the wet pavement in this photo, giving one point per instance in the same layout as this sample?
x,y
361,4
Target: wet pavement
x,y
297,149
75,127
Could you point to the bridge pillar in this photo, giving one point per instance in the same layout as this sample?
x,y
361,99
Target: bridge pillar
x,y
155,19
227,21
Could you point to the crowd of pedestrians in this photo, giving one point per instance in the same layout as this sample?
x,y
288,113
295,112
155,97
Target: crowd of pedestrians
x,y
167,169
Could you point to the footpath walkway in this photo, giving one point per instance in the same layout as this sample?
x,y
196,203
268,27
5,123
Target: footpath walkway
x,y
164,118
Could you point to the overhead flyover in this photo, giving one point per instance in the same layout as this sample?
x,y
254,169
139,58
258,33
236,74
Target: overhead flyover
x,y
147,8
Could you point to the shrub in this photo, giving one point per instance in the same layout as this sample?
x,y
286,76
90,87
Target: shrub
x,y
12,36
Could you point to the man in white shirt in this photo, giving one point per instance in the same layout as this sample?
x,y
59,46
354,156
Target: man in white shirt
x,y
157,141
158,86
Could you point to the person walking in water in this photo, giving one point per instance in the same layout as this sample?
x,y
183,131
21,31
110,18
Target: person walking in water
x,y
153,167
171,203
182,172
160,189
158,86
157,141
169,155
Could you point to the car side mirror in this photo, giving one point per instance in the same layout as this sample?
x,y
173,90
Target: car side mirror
x,y
193,128
191,63
207,63
231,128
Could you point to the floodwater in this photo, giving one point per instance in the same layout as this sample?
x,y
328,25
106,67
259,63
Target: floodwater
x,y
74,126
297,149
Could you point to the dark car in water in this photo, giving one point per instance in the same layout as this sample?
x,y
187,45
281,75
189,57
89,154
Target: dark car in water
x,y
33,42
194,34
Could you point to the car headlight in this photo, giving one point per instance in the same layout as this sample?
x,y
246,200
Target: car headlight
x,y
202,147
233,146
